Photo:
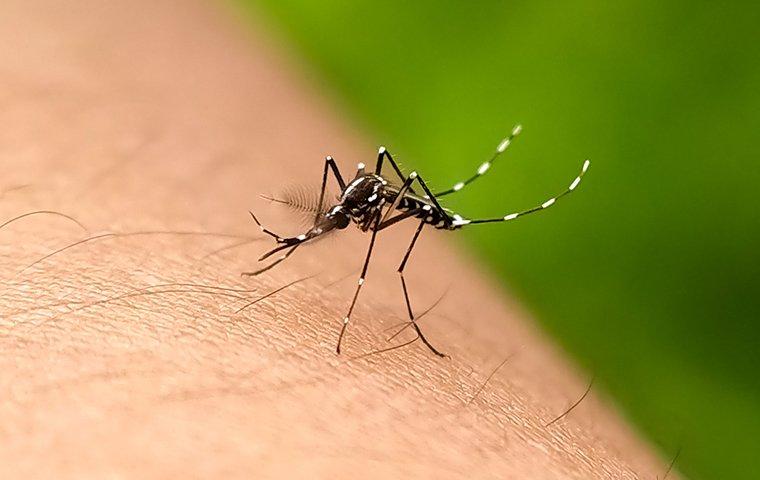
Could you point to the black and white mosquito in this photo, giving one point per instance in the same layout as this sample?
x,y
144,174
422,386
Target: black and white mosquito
x,y
374,203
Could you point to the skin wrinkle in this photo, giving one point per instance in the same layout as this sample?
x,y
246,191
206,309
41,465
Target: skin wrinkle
x,y
139,385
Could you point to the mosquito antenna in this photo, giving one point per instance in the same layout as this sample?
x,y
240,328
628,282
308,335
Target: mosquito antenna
x,y
44,212
299,198
572,407
274,200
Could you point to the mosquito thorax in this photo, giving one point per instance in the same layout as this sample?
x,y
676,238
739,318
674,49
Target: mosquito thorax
x,y
363,196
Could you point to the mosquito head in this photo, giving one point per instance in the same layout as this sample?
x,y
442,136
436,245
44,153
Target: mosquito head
x,y
335,218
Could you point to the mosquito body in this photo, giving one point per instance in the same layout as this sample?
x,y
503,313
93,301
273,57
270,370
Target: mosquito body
x,y
368,194
374,203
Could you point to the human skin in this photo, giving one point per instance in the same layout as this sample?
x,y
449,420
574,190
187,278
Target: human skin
x,y
169,116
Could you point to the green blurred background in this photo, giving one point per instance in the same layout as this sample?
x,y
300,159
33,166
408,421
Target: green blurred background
x,y
649,274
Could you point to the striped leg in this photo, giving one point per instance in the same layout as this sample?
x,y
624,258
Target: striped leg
x,y
485,165
406,293
329,162
290,243
384,221
459,222
360,282
382,153
442,214
405,187
271,265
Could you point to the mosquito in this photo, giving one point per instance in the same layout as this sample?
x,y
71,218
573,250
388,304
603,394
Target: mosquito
x,y
374,203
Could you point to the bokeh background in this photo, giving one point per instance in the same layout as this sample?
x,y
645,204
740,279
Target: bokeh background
x,y
649,274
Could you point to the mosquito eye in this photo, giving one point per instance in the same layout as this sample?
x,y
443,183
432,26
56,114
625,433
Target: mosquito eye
x,y
341,221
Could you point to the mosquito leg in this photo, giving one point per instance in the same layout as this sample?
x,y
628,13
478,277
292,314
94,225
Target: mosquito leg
x,y
442,214
430,196
387,222
278,238
401,216
459,221
406,293
406,187
290,243
382,153
503,145
329,163
360,282
271,265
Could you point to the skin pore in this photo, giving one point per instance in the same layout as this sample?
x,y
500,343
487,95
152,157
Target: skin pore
x,y
139,355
